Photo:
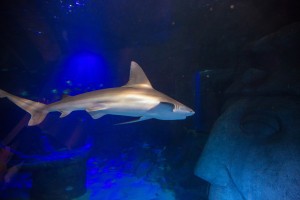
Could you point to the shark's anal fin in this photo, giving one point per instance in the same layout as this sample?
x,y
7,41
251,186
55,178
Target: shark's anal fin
x,y
133,121
64,113
97,114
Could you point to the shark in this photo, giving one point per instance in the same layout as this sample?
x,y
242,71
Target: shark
x,y
135,99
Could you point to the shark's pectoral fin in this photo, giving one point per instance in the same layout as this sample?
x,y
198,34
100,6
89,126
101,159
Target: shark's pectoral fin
x,y
96,114
95,111
64,113
133,121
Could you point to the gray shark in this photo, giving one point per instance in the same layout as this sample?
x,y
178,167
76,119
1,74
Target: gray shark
x,y
135,99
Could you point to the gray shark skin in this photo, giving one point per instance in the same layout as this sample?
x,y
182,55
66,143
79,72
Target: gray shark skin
x,y
135,99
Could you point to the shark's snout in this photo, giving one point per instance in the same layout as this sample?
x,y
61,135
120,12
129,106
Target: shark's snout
x,y
186,110
191,112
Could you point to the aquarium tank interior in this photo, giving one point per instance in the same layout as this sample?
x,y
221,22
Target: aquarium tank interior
x,y
150,100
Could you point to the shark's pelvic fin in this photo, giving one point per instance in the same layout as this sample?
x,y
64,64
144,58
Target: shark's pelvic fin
x,y
35,109
137,77
133,121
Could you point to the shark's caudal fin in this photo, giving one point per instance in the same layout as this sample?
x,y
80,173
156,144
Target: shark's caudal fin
x,y
35,109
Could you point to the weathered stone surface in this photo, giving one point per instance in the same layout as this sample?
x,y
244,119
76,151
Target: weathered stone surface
x,y
251,157
253,151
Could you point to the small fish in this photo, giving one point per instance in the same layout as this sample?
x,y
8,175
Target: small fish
x,y
135,99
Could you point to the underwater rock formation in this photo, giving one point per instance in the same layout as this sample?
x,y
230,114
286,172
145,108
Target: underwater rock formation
x,y
253,151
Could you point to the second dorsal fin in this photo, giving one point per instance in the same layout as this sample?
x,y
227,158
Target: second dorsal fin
x,y
65,96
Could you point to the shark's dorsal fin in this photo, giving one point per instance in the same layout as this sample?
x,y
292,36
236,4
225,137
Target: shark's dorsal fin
x,y
65,96
137,77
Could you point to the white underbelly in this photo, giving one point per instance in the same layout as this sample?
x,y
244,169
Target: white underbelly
x,y
134,109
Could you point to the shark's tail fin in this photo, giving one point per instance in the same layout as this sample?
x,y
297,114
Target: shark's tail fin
x,y
35,109
3,94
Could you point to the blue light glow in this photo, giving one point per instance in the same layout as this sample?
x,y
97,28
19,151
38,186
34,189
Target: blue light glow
x,y
80,73
85,69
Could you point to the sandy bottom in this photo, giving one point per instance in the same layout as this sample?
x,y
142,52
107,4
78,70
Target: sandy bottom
x,y
107,181
112,183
